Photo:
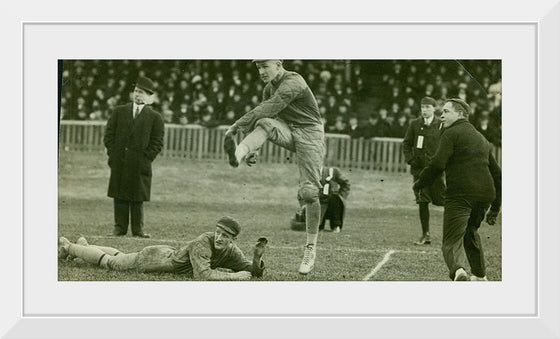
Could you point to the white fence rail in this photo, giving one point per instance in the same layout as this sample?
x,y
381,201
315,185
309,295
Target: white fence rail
x,y
197,142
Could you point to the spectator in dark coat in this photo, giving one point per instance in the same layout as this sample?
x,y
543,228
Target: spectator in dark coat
x,y
354,129
488,127
419,145
339,126
133,138
229,118
474,182
372,130
399,127
336,188
208,120
384,124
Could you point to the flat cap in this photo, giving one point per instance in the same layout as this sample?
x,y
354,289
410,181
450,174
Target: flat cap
x,y
428,101
461,103
229,225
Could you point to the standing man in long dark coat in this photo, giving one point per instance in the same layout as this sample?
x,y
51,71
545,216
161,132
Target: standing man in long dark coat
x,y
133,138
419,145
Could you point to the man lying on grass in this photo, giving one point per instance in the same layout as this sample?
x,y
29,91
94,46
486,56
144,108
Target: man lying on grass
x,y
211,256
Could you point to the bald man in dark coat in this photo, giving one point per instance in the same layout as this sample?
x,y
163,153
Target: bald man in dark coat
x,y
474,183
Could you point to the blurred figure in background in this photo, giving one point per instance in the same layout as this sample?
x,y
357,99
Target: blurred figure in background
x,y
372,129
354,129
384,123
400,126
339,126
336,188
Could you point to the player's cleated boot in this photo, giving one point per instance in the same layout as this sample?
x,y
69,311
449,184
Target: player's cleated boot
x,y
229,148
424,240
63,245
461,275
337,229
475,278
308,261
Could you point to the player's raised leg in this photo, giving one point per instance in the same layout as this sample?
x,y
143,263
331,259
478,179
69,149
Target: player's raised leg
x,y
238,153
274,130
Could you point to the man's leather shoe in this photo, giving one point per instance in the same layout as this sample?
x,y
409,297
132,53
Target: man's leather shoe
x,y
142,235
424,240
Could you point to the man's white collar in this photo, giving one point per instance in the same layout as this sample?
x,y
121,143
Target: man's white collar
x,y
429,121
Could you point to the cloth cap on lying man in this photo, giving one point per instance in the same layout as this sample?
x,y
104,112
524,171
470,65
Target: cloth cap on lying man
x,y
229,225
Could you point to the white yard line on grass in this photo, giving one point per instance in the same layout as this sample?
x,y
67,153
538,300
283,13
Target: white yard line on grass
x,y
319,247
357,250
379,265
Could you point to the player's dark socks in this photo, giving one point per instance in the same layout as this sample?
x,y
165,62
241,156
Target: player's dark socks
x,y
229,147
424,217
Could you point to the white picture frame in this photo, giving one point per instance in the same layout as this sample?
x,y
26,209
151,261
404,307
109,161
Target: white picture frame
x,y
26,307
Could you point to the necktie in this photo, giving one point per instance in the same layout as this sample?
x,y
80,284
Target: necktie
x,y
136,112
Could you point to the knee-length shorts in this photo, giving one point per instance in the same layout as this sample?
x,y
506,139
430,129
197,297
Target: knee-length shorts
x,y
157,258
308,144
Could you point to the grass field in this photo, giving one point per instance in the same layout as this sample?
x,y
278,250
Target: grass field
x,y
189,196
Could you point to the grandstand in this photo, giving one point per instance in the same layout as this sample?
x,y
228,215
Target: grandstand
x,y
216,92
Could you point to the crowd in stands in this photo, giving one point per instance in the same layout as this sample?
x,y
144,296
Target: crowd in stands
x,y
361,98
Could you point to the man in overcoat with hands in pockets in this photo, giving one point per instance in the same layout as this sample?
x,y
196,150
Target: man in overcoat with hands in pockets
x,y
133,138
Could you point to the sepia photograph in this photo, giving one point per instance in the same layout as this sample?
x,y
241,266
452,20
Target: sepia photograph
x,y
333,171
279,170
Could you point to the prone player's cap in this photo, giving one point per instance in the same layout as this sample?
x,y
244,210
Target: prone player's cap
x,y
263,60
229,225
428,101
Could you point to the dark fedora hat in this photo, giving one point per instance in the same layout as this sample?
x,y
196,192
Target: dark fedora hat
x,y
146,84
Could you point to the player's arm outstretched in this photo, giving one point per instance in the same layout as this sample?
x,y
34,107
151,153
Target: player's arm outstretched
x,y
200,259
238,262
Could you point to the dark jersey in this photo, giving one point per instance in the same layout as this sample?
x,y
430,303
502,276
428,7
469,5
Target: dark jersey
x,y
288,98
200,258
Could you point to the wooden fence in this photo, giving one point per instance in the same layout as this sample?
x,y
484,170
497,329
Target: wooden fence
x,y
196,142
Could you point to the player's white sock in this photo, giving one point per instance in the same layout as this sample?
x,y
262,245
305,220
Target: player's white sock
x,y
312,217
251,143
241,152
